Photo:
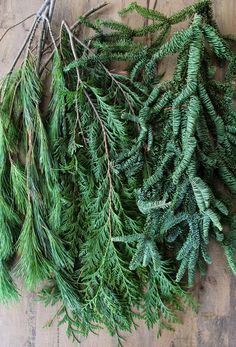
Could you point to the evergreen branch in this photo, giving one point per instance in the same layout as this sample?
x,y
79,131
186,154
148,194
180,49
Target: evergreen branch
x,y
119,85
108,160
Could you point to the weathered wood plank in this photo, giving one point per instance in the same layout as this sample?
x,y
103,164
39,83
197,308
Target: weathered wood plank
x,y
21,325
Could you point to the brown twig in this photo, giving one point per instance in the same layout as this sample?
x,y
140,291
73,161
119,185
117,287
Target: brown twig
x,y
50,31
49,15
155,5
23,46
32,30
15,25
88,14
85,15
51,10
59,45
42,38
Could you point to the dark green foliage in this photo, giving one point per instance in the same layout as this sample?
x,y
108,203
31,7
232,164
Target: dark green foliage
x,y
114,41
188,150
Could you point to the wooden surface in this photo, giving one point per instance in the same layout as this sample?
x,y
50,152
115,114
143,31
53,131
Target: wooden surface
x,y
215,324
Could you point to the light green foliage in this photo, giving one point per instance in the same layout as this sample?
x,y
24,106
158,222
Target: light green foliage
x,y
29,189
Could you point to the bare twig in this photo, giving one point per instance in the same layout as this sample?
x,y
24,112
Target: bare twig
x,y
71,37
23,45
49,16
51,10
59,44
50,31
155,5
15,25
42,38
85,15
88,14
32,30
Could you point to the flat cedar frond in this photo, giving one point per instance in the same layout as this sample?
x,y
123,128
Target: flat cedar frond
x,y
97,136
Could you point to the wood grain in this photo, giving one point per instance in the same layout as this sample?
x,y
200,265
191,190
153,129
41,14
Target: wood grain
x,y
214,326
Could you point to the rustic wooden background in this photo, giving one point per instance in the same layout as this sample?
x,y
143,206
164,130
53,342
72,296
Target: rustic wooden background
x,y
214,326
